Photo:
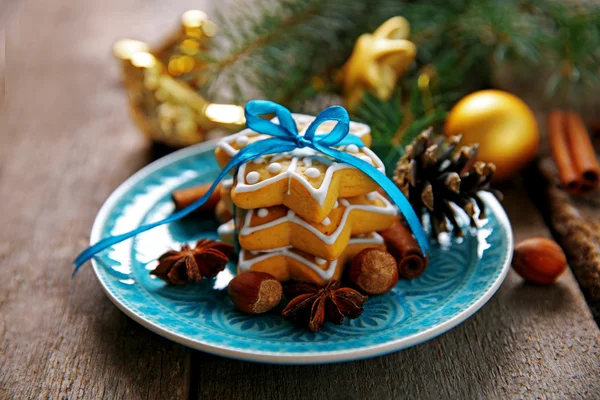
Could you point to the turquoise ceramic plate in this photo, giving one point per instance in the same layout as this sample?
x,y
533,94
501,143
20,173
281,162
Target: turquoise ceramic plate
x,y
461,277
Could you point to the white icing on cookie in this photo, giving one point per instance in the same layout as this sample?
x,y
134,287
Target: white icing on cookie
x,y
320,260
245,264
259,160
374,238
228,183
312,172
352,148
242,141
386,209
279,157
366,159
262,212
371,196
307,161
274,168
320,193
303,152
336,205
252,177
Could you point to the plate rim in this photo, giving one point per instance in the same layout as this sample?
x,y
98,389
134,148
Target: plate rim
x,y
295,358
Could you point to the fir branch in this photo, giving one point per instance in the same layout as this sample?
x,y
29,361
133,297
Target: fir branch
x,y
388,118
246,48
280,46
575,40
278,50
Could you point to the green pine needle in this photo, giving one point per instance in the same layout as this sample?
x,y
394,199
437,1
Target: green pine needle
x,y
289,50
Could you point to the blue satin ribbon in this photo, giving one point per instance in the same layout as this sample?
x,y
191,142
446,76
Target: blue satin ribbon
x,y
284,138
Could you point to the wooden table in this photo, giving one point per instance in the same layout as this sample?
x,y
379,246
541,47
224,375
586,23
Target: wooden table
x,y
66,142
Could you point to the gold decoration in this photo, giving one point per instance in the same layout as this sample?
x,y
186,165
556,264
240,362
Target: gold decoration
x,y
378,61
163,98
502,124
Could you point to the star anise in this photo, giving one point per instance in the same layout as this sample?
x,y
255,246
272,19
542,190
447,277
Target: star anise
x,y
311,305
206,260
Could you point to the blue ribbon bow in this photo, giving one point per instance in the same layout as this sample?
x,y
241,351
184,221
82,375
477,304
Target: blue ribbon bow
x,y
284,138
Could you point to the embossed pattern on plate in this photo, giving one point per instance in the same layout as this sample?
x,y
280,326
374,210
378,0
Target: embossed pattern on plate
x,y
461,277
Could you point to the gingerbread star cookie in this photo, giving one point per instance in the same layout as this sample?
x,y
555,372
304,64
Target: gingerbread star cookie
x,y
276,227
292,264
307,182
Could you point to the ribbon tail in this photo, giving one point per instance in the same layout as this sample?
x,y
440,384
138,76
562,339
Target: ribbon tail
x,y
246,154
351,139
103,244
389,187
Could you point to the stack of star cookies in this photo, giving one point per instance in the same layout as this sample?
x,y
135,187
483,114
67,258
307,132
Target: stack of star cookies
x,y
301,215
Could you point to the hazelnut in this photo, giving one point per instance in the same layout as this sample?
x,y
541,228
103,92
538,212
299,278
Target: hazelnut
x,y
539,260
374,271
255,292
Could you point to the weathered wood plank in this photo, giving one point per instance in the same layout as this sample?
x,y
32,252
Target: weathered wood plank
x,y
576,224
527,342
66,142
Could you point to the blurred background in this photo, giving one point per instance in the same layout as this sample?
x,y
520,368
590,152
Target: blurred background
x,y
91,92
399,66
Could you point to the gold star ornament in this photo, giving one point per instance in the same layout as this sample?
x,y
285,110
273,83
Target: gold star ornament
x,y
377,62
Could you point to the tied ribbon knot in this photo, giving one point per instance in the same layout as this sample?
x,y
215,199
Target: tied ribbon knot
x,y
284,138
302,142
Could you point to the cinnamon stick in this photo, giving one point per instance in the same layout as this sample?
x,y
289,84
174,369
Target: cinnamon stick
x,y
575,225
184,197
402,245
582,151
561,153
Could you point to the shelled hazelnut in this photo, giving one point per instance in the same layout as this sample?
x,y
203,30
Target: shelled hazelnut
x,y
255,292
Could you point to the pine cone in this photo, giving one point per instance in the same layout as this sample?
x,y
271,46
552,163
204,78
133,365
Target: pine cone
x,y
432,174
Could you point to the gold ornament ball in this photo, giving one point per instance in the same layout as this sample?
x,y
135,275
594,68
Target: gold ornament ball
x,y
502,124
